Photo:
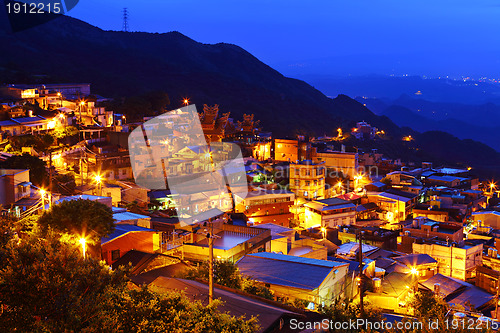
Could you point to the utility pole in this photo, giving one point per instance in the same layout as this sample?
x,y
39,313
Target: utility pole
x,y
360,277
50,170
211,263
496,299
81,168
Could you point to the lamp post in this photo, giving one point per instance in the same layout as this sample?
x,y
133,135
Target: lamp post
x,y
83,241
185,101
82,103
211,264
323,231
42,194
98,180
60,98
340,186
492,187
414,273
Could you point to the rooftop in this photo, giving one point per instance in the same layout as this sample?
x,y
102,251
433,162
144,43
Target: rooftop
x,y
286,270
122,229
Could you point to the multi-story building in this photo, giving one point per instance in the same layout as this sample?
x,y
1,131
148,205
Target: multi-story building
x,y
456,262
396,205
286,150
14,185
267,206
487,218
329,213
307,179
363,130
342,162
424,228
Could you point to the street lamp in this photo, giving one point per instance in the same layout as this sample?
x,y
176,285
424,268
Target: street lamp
x,y
42,194
82,103
185,101
60,97
414,272
340,185
98,180
83,241
323,230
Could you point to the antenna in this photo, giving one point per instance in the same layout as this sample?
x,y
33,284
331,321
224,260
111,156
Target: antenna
x,y
125,20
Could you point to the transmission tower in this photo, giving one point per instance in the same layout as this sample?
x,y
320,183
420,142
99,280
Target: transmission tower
x,y
125,20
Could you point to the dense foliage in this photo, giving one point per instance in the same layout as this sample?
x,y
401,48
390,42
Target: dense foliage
x,y
47,286
226,273
38,171
82,218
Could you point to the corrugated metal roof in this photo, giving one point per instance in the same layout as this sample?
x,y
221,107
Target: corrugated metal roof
x,y
122,229
416,259
285,270
127,216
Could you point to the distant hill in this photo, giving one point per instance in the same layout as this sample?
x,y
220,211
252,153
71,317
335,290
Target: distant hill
x,y
422,121
118,64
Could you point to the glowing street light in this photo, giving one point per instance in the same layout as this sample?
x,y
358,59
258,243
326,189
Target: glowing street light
x,y
414,271
83,241
185,101
98,181
42,194
82,103
323,230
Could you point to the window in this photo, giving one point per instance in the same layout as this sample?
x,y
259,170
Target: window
x,y
297,182
115,255
306,194
308,183
297,172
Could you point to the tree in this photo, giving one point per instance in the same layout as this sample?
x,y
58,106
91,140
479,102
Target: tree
x,y
64,183
38,172
226,273
427,305
386,181
342,311
147,311
47,286
81,218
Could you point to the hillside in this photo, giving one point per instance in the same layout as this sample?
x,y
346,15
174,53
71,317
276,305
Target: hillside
x,y
119,64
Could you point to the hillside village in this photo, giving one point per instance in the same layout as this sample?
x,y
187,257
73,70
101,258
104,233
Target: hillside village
x,y
318,220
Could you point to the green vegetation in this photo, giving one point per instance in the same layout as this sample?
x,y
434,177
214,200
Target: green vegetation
x,y
226,273
82,218
47,286
38,172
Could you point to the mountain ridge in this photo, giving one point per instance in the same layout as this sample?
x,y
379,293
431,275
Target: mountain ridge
x,y
121,63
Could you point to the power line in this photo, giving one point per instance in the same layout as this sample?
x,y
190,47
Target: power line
x,y
125,20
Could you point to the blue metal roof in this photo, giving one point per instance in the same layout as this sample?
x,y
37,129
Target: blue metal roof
x,y
122,229
126,216
285,270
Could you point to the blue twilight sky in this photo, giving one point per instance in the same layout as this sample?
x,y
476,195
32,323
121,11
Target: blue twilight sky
x,y
424,37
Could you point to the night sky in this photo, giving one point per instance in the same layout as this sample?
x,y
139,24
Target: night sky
x,y
429,37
